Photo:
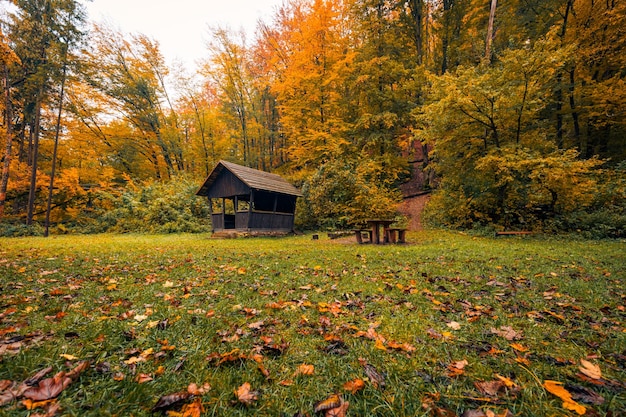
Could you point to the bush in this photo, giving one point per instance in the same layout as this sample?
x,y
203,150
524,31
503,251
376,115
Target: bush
x,y
342,194
170,207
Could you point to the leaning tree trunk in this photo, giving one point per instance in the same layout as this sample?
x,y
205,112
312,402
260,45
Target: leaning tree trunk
x,y
489,40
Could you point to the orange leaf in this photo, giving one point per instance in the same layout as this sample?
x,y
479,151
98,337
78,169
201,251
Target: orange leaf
x,y
519,347
195,409
354,386
194,389
305,369
556,388
142,378
245,395
31,405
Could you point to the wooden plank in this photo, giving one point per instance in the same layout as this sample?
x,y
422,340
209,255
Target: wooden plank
x,y
514,233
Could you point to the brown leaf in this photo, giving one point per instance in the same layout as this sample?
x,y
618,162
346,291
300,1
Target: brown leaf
x,y
169,400
354,386
376,378
48,388
507,332
245,395
589,369
338,411
489,388
584,394
473,413
78,369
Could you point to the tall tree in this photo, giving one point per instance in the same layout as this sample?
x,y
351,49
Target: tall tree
x,y
129,74
8,58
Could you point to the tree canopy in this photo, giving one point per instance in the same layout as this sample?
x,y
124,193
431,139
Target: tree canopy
x,y
520,104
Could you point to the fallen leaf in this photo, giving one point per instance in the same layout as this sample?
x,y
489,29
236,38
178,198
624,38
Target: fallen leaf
x,y
519,347
333,401
51,410
68,357
507,382
556,388
489,388
589,369
454,325
338,411
354,386
245,395
143,378
457,368
376,378
169,400
584,394
305,369
194,389
31,405
48,388
195,409
507,332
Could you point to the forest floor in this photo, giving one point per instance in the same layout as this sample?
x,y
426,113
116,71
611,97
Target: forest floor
x,y
188,325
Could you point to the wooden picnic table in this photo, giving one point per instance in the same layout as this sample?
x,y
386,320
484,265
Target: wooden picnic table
x,y
375,225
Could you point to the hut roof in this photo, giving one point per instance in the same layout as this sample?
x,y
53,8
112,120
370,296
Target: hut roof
x,y
253,178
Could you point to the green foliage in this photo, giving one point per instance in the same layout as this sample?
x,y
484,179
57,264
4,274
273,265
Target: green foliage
x,y
170,207
153,207
342,194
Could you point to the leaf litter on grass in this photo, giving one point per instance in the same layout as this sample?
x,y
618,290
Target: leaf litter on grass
x,y
438,332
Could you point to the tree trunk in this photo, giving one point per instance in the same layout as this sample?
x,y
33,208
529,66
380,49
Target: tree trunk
x,y
417,10
489,40
559,80
34,158
54,152
4,181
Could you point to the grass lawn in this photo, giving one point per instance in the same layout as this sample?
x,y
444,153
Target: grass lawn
x,y
446,325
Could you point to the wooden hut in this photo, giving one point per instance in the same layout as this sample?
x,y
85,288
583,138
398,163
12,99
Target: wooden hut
x,y
243,199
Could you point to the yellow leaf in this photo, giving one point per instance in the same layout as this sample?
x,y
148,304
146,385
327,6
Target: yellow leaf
x,y
590,370
380,344
519,347
508,382
556,388
68,357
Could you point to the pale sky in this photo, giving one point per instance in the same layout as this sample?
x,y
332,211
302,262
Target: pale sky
x,y
181,26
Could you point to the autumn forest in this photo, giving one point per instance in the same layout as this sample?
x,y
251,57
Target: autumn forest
x,y
510,114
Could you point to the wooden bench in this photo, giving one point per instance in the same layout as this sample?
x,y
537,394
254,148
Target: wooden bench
x,y
359,235
392,232
514,233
